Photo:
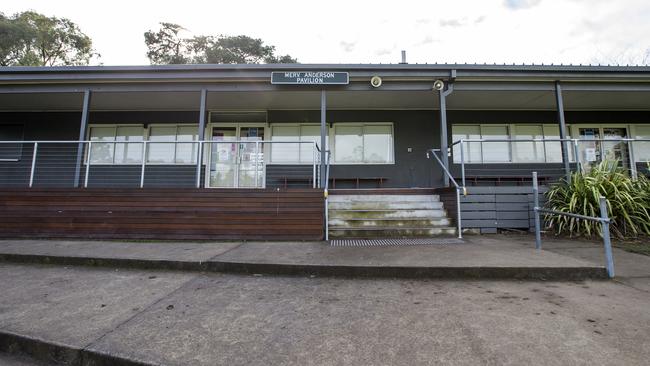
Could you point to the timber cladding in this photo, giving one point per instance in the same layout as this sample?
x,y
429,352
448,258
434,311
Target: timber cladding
x,y
175,214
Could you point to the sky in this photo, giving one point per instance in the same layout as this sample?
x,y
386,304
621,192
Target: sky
x,y
336,31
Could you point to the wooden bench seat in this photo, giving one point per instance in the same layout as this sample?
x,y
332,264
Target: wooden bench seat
x,y
357,180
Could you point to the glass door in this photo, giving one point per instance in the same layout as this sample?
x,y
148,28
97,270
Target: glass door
x,y
223,158
237,157
251,157
593,152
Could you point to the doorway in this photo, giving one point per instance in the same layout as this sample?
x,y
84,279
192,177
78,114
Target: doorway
x,y
592,152
236,156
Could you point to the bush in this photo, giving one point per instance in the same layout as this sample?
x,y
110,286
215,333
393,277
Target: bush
x,y
628,202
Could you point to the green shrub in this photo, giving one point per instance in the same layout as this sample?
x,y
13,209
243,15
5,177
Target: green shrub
x,y
628,202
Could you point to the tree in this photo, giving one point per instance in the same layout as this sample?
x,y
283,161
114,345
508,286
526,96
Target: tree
x,y
33,39
167,47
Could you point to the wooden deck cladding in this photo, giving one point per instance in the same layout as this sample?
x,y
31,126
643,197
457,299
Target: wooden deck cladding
x,y
195,214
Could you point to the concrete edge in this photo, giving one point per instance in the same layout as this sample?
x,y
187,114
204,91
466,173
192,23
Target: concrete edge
x,y
496,273
282,269
58,353
132,263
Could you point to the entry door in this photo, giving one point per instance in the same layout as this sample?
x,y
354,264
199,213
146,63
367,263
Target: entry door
x,y
597,151
237,164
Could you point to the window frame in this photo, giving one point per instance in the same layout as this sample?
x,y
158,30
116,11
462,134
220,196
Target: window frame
x,y
175,142
20,142
332,139
299,126
145,137
114,127
512,128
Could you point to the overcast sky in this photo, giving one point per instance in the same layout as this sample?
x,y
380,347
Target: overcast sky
x,y
335,31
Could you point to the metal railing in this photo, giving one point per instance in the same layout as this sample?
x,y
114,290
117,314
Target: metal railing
x,y
546,154
603,220
328,155
458,190
234,164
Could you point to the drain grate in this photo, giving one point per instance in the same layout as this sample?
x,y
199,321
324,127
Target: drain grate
x,y
392,242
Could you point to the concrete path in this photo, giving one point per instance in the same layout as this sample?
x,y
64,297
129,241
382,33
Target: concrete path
x,y
100,316
476,257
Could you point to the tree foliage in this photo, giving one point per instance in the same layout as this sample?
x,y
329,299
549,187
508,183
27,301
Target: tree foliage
x,y
33,39
166,46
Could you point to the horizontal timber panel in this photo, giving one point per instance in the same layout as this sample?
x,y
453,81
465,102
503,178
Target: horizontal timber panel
x,y
197,214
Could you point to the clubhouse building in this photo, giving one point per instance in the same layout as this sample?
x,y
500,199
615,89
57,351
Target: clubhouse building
x,y
256,151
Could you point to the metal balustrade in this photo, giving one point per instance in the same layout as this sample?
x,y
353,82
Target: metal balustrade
x,y
503,159
231,164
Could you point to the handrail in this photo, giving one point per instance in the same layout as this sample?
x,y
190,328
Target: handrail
x,y
458,209
603,219
326,193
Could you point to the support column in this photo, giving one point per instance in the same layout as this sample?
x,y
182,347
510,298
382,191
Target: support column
x,y
323,134
563,134
201,136
82,136
444,138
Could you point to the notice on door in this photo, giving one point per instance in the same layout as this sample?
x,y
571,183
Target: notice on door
x,y
310,78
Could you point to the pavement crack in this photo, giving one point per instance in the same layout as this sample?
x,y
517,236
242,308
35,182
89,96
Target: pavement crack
x,y
227,251
146,308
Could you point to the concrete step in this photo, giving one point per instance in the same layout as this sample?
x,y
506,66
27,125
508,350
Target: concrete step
x,y
388,223
383,198
386,214
349,205
391,232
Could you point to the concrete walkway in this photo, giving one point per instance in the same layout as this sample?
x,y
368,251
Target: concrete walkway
x,y
502,257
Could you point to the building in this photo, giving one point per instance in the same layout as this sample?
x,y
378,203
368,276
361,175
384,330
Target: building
x,y
246,140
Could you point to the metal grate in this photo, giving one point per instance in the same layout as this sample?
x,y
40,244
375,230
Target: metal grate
x,y
392,242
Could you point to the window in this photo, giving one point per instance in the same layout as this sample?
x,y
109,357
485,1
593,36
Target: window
x,y
498,151
116,144
288,153
471,150
122,144
369,143
513,151
528,151
10,151
172,144
642,148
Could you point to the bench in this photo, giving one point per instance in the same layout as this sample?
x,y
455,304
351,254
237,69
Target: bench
x,y
297,179
519,180
358,180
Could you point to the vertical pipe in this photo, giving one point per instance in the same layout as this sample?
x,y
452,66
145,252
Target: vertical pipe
x,y
576,154
199,163
538,234
563,134
313,163
256,162
31,173
444,154
458,214
144,162
630,146
462,161
323,132
606,239
90,145
82,136
201,136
